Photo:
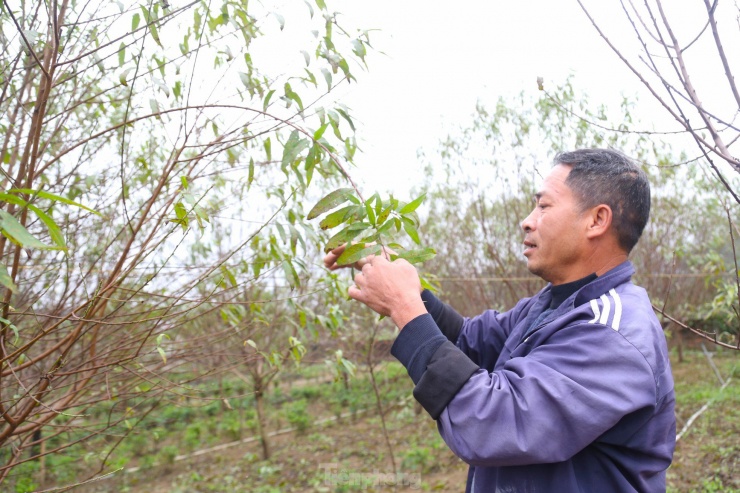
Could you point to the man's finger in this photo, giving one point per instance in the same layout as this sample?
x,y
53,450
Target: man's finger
x,y
355,293
330,260
360,280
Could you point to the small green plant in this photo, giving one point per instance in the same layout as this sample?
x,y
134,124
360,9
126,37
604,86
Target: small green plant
x,y
193,435
713,485
297,415
167,454
418,459
230,425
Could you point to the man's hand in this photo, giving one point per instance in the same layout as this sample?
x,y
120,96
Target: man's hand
x,y
389,288
330,260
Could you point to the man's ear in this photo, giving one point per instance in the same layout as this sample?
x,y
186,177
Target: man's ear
x,y
599,221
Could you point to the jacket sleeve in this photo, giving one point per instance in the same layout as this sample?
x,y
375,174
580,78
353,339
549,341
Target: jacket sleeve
x,y
550,405
440,368
482,338
447,319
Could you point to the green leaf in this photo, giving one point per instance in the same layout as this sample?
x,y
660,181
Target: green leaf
x,y
358,47
336,218
51,196
229,276
346,235
413,205
121,54
293,148
268,149
291,274
181,211
196,19
13,328
370,213
345,115
426,285
135,21
122,78
353,253
16,231
267,100
354,200
327,78
154,105
384,215
330,201
320,132
293,96
417,256
162,354
201,215
250,177
7,281
373,237
378,205
345,68
152,25
12,199
56,234
155,34
411,231
163,87
385,226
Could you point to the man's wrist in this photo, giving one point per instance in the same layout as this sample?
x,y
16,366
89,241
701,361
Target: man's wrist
x,y
408,311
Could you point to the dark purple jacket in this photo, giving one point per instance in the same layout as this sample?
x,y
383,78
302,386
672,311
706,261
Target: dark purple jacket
x,y
581,401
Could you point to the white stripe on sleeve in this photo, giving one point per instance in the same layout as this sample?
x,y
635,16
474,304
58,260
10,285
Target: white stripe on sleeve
x,y
597,312
617,309
607,308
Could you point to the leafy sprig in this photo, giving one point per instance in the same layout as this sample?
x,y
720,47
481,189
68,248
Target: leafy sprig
x,y
369,225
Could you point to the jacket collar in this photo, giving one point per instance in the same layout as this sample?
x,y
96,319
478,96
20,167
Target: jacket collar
x,y
613,278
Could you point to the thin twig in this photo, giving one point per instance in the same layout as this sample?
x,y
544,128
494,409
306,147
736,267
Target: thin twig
x,y
25,40
378,401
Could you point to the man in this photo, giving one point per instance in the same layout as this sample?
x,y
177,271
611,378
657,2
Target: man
x,y
569,391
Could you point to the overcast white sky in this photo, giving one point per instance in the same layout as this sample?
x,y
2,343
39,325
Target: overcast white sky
x,y
442,57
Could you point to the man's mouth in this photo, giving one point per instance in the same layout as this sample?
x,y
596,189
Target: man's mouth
x,y
529,247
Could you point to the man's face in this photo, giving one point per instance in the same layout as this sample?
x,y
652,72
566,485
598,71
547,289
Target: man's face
x,y
555,231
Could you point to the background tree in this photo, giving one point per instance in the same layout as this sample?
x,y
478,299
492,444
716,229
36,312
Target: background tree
x,y
482,188
688,64
196,160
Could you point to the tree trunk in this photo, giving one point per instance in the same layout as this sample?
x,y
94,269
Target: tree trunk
x,y
261,423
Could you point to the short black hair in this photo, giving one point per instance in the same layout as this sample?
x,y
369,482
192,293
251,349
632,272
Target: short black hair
x,y
607,176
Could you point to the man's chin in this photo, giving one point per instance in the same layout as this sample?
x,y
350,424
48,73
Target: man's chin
x,y
533,269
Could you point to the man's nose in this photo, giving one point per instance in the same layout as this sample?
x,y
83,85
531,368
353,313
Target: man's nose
x,y
527,224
